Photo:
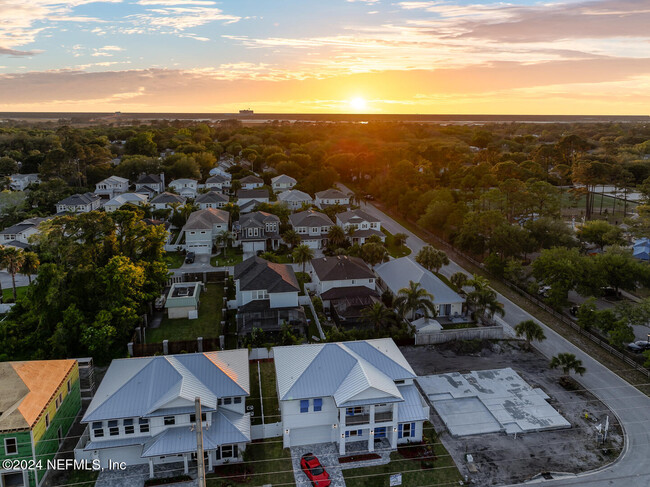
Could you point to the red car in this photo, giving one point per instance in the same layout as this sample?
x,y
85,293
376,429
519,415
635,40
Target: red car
x,y
314,470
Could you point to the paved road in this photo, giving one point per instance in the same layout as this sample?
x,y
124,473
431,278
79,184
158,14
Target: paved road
x,y
631,406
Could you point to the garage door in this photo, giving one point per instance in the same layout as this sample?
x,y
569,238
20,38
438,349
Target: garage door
x,y
309,436
199,248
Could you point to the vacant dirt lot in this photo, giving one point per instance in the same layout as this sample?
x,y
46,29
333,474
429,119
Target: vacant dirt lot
x,y
503,459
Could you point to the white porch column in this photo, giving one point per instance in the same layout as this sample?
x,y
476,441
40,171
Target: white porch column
x,y
185,468
210,456
342,443
342,431
371,429
150,468
393,438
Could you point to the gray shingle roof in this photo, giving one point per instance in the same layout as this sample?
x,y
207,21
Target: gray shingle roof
x,y
251,179
310,218
257,219
283,178
253,193
80,199
294,195
256,273
217,178
356,217
169,198
212,197
331,194
205,219
138,386
341,267
149,179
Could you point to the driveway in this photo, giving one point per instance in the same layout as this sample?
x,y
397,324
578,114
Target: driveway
x,y
135,475
630,405
328,455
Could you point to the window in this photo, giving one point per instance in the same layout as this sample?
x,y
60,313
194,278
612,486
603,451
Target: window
x,y
229,451
227,401
57,402
11,446
348,434
304,405
98,429
69,385
399,381
354,410
219,402
193,417
129,429
237,400
406,430
113,428
170,420
144,425
318,404
47,420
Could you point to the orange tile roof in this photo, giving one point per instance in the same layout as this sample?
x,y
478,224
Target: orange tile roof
x,y
43,378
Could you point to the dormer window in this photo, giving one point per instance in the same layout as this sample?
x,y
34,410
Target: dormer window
x,y
170,420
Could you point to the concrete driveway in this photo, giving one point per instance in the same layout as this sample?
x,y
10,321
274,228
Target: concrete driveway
x,y
328,455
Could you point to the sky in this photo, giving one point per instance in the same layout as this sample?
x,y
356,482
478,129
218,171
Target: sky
x,y
318,56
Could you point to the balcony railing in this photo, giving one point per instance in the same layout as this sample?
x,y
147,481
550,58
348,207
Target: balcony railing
x,y
384,416
380,417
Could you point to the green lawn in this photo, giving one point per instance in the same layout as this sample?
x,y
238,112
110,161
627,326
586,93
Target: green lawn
x,y
302,277
207,325
254,398
444,471
394,250
269,464
8,293
174,259
227,257
313,329
269,393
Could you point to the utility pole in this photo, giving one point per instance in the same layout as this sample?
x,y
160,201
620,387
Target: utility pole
x,y
200,459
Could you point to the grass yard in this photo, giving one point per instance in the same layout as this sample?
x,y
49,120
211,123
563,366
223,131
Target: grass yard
x,y
270,464
81,478
207,325
394,250
8,293
254,398
227,257
444,471
312,330
269,393
174,259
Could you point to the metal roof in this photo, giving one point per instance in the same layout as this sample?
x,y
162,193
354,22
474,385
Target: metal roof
x,y
397,274
347,371
413,407
139,386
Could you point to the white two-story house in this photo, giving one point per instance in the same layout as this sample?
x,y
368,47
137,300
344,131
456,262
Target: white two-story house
x,y
79,203
112,186
267,297
331,197
258,231
202,229
164,201
144,411
18,235
348,392
217,182
211,199
282,183
151,184
361,224
295,199
251,182
248,199
184,187
312,226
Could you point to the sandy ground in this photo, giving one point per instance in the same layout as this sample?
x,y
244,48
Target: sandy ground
x,y
502,459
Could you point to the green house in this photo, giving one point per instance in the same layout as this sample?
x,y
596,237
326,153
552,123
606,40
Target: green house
x,y
39,402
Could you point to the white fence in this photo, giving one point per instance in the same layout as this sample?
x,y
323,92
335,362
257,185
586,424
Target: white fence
x,y
260,354
442,336
262,431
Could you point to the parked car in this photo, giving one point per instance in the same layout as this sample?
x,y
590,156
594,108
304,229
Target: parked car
x,y
638,346
189,257
314,470
159,304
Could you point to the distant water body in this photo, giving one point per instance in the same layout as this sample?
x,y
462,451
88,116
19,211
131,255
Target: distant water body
x,y
318,118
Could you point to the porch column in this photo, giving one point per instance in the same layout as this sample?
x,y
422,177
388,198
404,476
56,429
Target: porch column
x,y
210,455
150,468
342,430
371,429
185,469
393,438
342,443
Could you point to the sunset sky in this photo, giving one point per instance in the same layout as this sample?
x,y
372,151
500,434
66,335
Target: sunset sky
x,y
375,56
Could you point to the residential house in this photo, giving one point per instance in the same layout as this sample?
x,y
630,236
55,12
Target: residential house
x,y
19,182
202,229
258,231
183,299
282,183
348,392
331,197
144,410
360,225
248,199
217,182
112,186
120,200
184,187
295,199
251,182
211,199
267,297
346,286
221,170
312,226
79,203
164,200
396,274
20,232
39,403
151,184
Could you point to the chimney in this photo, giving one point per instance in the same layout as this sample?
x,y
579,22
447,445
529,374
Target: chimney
x,y
162,178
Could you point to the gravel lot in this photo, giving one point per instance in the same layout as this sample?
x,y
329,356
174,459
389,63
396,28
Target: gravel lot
x,y
502,459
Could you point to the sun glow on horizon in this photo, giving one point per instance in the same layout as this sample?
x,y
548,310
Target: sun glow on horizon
x,y
358,103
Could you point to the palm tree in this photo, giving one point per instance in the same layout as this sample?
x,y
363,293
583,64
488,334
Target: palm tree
x,y
336,236
459,279
374,253
302,254
270,256
291,237
147,209
415,298
431,258
12,260
399,239
483,299
224,238
531,331
378,316
30,265
567,362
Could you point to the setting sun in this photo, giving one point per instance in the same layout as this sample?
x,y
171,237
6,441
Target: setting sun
x,y
358,103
